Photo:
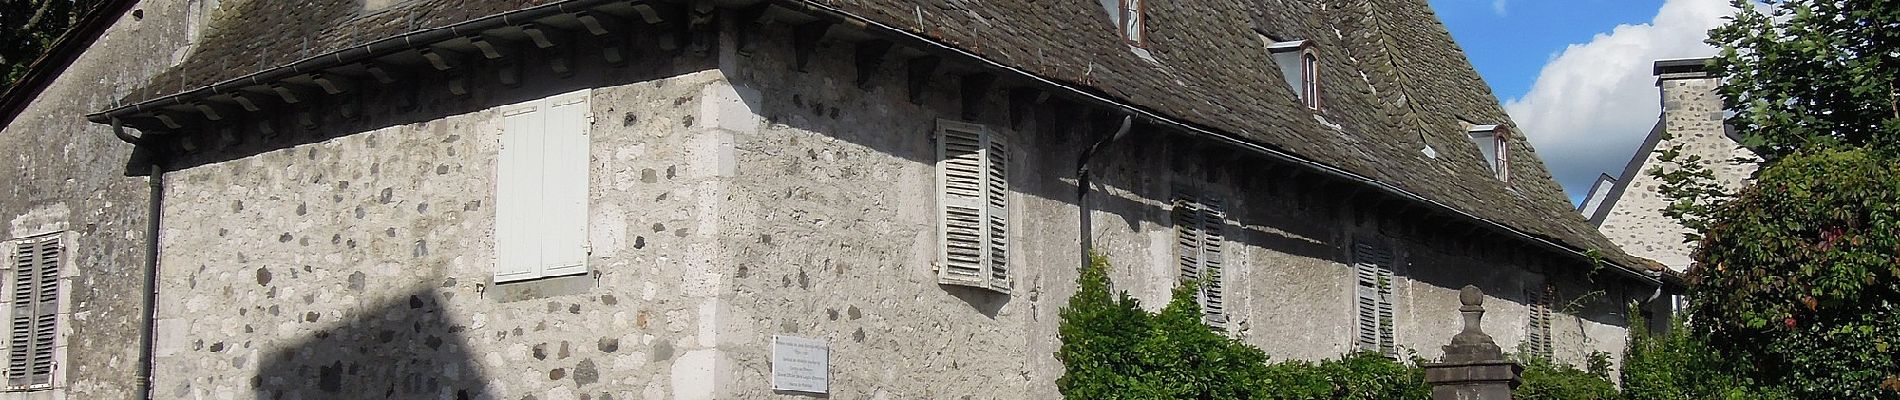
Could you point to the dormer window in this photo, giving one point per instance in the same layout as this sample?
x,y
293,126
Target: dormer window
x,y
1299,64
1134,21
1494,143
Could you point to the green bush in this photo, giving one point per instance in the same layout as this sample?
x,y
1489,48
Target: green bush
x,y
1676,365
1798,278
1546,380
1112,349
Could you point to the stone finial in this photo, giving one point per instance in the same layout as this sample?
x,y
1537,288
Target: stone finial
x,y
1474,367
1472,344
1471,297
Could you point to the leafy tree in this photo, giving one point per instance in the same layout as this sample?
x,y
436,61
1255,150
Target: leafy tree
x,y
31,27
1797,280
1804,72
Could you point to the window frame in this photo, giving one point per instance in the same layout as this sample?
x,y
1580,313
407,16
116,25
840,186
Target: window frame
x,y
1499,138
1133,25
1307,69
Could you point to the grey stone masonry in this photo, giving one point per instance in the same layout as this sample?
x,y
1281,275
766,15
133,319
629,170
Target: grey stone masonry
x,y
1692,117
1474,368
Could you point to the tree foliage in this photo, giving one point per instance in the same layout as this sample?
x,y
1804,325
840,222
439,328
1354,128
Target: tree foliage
x,y
30,28
1798,278
1799,73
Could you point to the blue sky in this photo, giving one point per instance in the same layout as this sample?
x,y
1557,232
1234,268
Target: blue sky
x,y
1509,41
1575,74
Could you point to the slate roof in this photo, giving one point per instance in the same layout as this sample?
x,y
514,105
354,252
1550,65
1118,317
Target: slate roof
x,y
1394,81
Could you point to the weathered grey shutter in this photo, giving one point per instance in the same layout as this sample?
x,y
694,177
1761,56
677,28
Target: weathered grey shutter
x,y
1213,258
1199,252
1187,237
35,312
973,189
997,191
1373,266
1537,331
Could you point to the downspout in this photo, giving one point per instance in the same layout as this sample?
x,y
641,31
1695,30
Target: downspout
x,y
1082,186
149,306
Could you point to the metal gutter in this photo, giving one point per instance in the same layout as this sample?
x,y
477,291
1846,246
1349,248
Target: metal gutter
x,y
834,13
392,45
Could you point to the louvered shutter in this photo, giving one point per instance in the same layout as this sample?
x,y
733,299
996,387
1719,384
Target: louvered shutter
x,y
973,197
997,191
1537,331
518,191
564,193
1213,259
1187,237
1199,248
35,313
1372,266
960,176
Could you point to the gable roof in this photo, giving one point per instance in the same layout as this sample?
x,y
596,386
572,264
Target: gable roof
x,y
1395,82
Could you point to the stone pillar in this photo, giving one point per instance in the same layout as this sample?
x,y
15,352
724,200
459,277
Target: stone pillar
x,y
1474,368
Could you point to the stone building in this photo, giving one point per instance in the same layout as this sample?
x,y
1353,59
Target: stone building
x,y
642,199
1628,208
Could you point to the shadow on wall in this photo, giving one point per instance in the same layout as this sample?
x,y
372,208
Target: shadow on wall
x,y
404,348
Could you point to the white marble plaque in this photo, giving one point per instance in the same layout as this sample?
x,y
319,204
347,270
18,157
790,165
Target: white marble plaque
x,y
801,365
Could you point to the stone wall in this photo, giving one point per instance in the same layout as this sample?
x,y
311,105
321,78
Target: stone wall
x,y
1692,115
733,199
63,174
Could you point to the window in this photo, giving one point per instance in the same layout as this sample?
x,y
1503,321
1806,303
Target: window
x,y
541,190
1299,64
973,198
1537,338
1372,265
1494,143
1200,246
35,313
1309,79
1134,22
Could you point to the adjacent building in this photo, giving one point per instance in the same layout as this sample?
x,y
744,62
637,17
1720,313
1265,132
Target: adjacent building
x,y
645,199
1629,208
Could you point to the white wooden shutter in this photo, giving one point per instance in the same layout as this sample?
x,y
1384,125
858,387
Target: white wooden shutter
x,y
33,327
564,193
518,194
1372,266
542,189
973,198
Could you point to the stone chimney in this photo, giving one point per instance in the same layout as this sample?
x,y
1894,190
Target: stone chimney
x,y
1692,117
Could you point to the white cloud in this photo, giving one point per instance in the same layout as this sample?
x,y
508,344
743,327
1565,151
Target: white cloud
x,y
1500,7
1593,103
